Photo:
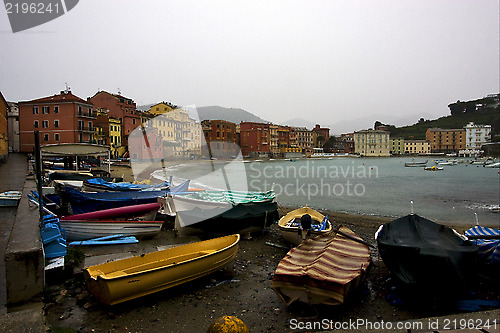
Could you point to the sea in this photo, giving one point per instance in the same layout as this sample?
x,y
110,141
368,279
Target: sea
x,y
459,194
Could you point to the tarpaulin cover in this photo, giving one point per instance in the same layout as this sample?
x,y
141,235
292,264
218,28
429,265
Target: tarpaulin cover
x,y
489,249
418,251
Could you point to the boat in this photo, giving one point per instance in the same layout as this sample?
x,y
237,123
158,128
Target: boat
x,y
416,164
420,253
325,269
144,212
88,229
10,198
433,168
291,228
122,280
492,165
85,202
488,242
242,218
106,240
101,185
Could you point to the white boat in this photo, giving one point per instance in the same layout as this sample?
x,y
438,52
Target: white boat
x,y
433,168
87,229
291,229
492,165
10,198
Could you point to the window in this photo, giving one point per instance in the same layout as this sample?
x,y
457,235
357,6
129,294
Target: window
x,y
56,109
45,123
35,110
56,123
45,137
35,124
45,110
90,126
79,110
56,136
80,126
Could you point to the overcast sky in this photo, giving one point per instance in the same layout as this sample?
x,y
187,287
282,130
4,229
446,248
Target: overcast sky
x,y
325,61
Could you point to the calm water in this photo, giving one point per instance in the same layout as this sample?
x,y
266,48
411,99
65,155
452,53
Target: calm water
x,y
368,186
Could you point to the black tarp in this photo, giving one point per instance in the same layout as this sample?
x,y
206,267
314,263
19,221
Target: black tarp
x,y
419,252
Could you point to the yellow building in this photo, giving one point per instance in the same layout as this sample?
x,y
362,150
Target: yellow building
x,y
115,137
397,146
161,108
446,140
372,143
414,147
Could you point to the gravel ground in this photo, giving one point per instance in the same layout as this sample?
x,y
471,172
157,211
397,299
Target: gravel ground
x,y
241,289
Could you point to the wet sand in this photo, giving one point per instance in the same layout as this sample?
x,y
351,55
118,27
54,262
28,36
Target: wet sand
x,y
241,289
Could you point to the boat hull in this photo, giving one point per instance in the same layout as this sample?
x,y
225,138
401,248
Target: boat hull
x,y
126,279
77,230
322,270
146,211
10,198
292,233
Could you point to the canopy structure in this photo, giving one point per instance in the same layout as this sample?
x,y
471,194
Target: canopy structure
x,y
76,149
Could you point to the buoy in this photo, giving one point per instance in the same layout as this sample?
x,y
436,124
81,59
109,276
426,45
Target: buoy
x,y
228,324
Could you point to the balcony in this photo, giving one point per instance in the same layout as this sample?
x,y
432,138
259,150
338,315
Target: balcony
x,y
84,129
87,115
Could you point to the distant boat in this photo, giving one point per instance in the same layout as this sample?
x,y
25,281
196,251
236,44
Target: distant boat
x,y
492,165
126,279
326,269
10,198
291,229
433,168
416,164
422,253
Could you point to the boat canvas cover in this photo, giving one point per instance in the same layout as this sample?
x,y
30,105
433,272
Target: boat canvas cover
x,y
120,186
84,202
234,197
328,263
419,251
221,220
489,249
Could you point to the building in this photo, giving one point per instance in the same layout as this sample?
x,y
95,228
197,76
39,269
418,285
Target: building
x,y
348,140
372,143
119,107
477,135
61,118
4,135
320,135
304,139
397,146
13,127
255,138
162,108
417,147
146,145
445,140
222,137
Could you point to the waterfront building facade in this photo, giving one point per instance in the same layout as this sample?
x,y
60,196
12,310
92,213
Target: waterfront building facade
x,y
476,135
445,140
4,135
255,138
222,137
397,146
61,118
417,147
304,139
320,135
13,127
372,143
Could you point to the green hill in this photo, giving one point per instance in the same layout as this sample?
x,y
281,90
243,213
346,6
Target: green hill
x,y
417,131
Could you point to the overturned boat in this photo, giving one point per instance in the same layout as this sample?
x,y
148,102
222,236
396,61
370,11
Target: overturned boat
x,y
323,270
118,281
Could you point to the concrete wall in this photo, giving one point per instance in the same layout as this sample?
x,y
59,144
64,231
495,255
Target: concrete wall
x,y
24,259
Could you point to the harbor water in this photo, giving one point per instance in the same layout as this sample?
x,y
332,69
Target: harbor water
x,y
458,194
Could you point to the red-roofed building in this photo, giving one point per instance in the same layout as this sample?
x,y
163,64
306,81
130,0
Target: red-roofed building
x,y
62,118
118,107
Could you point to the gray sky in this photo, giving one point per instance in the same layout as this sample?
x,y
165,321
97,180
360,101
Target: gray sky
x,y
325,61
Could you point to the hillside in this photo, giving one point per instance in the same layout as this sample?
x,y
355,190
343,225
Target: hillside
x,y
233,115
417,131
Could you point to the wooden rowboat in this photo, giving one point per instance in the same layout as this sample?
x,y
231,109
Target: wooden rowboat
x,y
290,228
323,270
118,281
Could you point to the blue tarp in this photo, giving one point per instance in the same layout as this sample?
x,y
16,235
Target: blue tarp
x,y
489,249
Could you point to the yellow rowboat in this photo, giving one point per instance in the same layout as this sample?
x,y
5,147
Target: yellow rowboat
x,y
323,270
122,280
290,227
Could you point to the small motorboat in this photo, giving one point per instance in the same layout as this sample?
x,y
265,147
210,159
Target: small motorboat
x,y
421,253
433,168
293,230
323,270
122,280
416,163
10,198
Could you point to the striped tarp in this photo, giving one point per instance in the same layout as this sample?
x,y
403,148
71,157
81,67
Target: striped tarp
x,y
234,197
324,269
489,249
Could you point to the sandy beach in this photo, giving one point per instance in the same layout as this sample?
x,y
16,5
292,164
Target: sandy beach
x,y
242,289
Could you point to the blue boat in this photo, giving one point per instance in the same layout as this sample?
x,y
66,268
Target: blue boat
x,y
107,240
101,185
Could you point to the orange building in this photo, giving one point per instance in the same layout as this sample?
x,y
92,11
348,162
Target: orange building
x,y
445,140
254,138
4,142
121,108
62,118
222,137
